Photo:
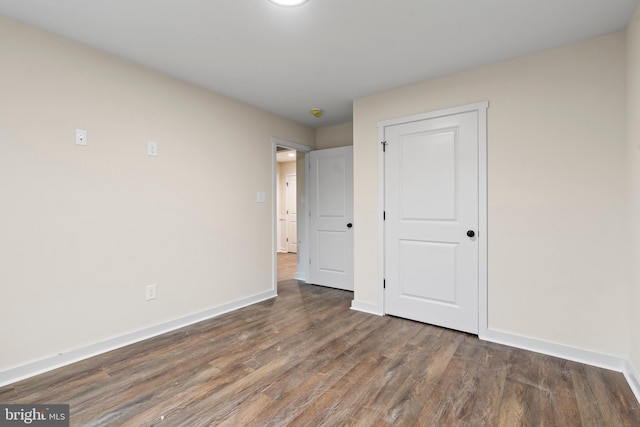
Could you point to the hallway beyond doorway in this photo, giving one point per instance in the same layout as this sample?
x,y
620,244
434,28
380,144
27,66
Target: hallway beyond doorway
x,y
287,265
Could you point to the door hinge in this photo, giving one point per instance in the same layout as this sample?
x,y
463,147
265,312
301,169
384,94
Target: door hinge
x,y
384,283
384,215
384,146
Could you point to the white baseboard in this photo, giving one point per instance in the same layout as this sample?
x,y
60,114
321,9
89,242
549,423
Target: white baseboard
x,y
539,346
633,378
552,349
50,363
366,308
558,350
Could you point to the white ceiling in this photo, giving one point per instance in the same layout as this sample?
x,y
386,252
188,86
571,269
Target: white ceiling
x,y
284,156
325,53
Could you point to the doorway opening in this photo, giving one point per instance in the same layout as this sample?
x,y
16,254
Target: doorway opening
x,y
286,213
288,225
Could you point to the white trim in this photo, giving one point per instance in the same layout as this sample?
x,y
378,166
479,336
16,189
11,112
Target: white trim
x,y
275,141
381,209
633,378
303,256
483,226
367,308
274,215
50,363
574,354
478,106
557,350
483,262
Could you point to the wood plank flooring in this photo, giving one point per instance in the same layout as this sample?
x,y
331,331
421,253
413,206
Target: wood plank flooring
x,y
287,266
306,359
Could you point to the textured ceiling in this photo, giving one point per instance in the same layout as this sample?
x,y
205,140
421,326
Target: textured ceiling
x,y
324,53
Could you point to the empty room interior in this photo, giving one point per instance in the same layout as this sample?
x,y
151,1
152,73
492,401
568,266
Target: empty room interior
x,y
433,217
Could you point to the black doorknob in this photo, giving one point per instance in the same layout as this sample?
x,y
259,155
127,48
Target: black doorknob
x,y
349,225
471,233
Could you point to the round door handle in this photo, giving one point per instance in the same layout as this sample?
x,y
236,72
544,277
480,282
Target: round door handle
x,y
349,225
471,233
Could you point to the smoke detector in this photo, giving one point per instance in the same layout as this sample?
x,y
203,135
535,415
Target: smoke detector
x,y
316,112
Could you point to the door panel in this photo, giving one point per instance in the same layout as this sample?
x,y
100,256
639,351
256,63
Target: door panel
x,y
331,181
431,201
331,247
330,212
428,179
428,271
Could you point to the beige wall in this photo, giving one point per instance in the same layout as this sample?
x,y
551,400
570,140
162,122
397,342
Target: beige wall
x,y
556,190
334,136
85,229
633,135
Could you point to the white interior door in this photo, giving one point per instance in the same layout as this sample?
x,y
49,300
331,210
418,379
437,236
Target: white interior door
x,y
431,221
331,218
281,223
292,221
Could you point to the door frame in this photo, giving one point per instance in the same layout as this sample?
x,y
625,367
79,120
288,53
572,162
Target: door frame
x,y
302,248
481,109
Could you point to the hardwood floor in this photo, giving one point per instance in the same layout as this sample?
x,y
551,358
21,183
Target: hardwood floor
x,y
287,265
306,359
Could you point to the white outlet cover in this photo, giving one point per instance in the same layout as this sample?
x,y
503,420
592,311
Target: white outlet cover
x,y
151,292
152,148
81,137
261,197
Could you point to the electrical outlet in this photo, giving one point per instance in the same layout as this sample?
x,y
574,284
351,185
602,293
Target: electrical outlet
x,y
152,148
81,137
151,292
